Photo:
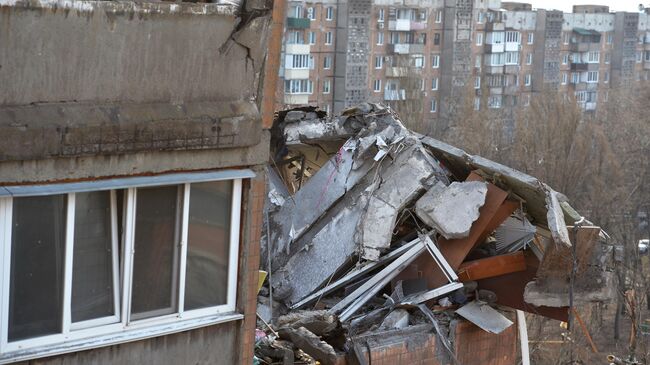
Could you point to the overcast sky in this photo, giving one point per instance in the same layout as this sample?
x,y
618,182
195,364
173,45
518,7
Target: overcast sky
x,y
566,5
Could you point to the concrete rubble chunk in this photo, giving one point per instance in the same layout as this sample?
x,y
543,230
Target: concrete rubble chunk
x,y
452,209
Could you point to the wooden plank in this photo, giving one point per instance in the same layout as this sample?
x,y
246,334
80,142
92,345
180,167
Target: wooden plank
x,y
492,266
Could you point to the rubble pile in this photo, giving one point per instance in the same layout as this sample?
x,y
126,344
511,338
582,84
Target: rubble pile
x,y
373,230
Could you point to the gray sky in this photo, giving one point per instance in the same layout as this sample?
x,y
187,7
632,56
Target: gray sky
x,y
566,5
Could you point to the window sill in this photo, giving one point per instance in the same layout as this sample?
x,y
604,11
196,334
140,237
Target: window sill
x,y
115,338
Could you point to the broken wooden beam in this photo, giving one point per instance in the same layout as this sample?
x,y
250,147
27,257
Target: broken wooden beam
x,y
492,266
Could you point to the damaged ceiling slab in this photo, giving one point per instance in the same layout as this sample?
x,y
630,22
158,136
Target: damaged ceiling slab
x,y
377,228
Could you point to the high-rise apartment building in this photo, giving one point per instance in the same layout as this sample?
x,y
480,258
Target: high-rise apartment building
x,y
426,56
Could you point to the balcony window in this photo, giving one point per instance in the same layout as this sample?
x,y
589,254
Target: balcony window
x,y
592,76
593,57
91,268
513,37
495,37
497,59
298,86
298,61
295,37
494,102
512,58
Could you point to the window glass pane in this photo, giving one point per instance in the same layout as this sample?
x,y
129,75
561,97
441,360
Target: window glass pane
x,y
92,264
155,258
208,244
37,265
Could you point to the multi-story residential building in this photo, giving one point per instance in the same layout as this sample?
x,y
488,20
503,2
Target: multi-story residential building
x,y
427,56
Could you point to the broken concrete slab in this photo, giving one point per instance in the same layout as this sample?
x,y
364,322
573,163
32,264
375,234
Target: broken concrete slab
x,y
452,210
319,322
310,344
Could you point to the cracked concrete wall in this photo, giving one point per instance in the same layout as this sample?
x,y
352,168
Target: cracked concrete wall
x,y
93,85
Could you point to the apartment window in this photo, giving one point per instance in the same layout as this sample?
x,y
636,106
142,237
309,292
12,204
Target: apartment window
x,y
477,103
565,58
418,61
295,38
311,14
297,11
527,80
529,59
497,59
298,61
434,105
70,275
328,38
512,37
439,16
477,82
639,57
647,56
380,18
592,76
479,38
326,86
477,61
312,37
575,77
495,37
394,38
480,18
610,37
566,37
512,58
607,58
376,86
434,83
379,62
593,57
436,39
329,13
606,78
421,84
494,102
298,86
435,61
380,38
327,62
530,38
565,78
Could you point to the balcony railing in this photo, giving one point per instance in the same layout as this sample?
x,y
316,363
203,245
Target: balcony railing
x,y
297,23
406,48
406,25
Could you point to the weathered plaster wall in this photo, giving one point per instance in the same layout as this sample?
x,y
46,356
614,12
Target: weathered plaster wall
x,y
122,51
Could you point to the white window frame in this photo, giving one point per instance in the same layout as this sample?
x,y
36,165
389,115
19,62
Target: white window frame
x,y
592,77
329,13
297,11
477,82
479,38
565,58
312,37
434,105
328,38
435,61
418,61
380,38
379,62
434,83
327,86
565,78
528,80
529,58
380,16
439,16
327,62
531,38
376,85
120,327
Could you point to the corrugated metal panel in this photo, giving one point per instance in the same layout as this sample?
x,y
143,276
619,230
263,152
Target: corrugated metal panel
x,y
124,182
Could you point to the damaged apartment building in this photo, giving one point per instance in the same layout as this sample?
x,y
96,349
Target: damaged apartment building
x,y
131,180
384,246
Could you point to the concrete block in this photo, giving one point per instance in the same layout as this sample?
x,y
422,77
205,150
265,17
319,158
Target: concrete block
x,y
453,209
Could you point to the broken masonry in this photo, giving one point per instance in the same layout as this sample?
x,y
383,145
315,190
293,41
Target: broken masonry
x,y
374,230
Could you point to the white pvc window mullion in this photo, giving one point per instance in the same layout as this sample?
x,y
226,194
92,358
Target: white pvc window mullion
x,y
128,251
67,271
115,242
233,261
6,207
183,249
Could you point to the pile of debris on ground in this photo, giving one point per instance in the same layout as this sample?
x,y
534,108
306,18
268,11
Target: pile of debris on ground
x,y
374,232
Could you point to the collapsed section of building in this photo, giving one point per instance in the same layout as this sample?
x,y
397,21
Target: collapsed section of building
x,y
381,244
